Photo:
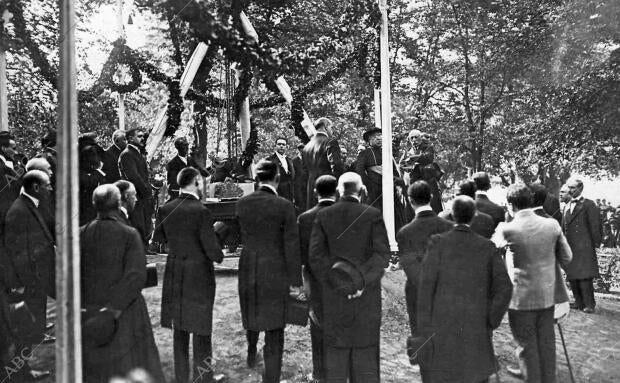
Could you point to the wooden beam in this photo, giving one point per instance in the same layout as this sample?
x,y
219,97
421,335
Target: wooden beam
x,y
4,98
68,330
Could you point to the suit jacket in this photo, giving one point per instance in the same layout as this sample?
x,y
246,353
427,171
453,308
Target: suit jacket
x,y
189,280
355,232
269,261
110,164
173,167
532,245
113,273
482,223
305,222
301,180
552,207
463,294
560,294
485,205
286,187
413,239
584,233
321,156
133,168
10,184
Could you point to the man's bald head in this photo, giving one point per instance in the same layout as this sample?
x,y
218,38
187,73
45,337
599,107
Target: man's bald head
x,y
350,183
35,179
39,163
463,209
324,125
106,198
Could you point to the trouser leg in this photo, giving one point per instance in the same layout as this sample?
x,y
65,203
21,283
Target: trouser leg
x,y
203,362
365,365
252,338
181,355
318,357
523,327
272,355
337,364
586,286
410,299
575,287
546,344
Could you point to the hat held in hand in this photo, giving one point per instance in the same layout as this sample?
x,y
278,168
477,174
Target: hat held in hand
x,y
345,277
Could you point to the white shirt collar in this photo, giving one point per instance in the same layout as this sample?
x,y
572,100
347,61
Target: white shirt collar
x,y
332,199
134,146
423,208
6,162
34,200
184,159
481,192
270,188
356,197
190,193
124,210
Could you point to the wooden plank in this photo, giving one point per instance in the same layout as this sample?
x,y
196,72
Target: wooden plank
x,y
68,330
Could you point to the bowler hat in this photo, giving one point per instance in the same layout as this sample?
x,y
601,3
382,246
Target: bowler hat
x,y
98,327
370,132
345,277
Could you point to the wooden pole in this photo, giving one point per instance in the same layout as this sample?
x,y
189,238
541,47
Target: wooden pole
x,y
377,95
4,98
121,34
386,129
68,330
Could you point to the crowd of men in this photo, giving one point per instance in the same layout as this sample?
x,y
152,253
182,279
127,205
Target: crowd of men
x,y
319,244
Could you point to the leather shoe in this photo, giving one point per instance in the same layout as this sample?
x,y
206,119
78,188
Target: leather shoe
x,y
33,375
574,305
515,371
47,339
251,358
588,310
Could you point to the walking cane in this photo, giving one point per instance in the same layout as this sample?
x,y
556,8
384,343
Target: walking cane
x,y
570,369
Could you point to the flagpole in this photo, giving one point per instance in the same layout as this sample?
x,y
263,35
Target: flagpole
x,y
68,330
4,98
121,34
386,129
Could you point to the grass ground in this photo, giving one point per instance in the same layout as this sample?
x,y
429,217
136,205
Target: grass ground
x,y
593,340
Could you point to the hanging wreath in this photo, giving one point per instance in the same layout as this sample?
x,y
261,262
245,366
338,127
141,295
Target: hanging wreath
x,y
120,72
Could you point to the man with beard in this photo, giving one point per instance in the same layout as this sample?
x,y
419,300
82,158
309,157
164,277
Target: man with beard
x,y
133,168
321,156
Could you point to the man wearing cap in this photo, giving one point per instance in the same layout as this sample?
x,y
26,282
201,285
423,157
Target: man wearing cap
x,y
582,226
286,186
326,192
321,156
483,203
348,252
413,238
133,168
269,267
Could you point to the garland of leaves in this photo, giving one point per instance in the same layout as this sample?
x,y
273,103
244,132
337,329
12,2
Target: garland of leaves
x,y
251,147
123,55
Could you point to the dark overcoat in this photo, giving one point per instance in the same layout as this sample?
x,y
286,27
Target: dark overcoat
x,y
584,234
321,156
189,280
10,184
173,168
113,273
305,222
286,186
355,232
412,242
30,246
133,168
301,180
485,205
269,261
110,164
481,224
463,294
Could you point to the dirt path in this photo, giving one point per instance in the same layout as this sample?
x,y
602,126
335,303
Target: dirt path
x,y
593,341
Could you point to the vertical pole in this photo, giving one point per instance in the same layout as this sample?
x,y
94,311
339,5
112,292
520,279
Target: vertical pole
x,y
4,98
377,108
121,34
68,343
386,129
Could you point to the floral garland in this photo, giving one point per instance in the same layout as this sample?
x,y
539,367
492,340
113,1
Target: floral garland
x,y
121,55
251,147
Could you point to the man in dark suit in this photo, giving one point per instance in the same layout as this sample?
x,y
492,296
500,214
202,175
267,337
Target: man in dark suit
x,y
111,154
463,294
128,199
113,272
301,179
350,233
532,244
483,203
321,156
30,246
180,161
286,187
413,238
133,168
269,267
582,227
10,184
482,223
189,280
326,190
